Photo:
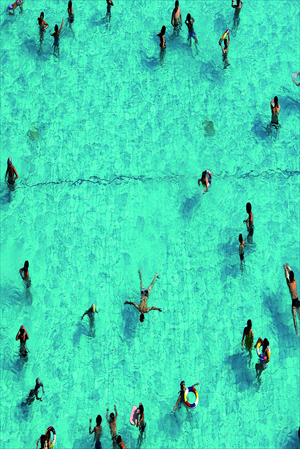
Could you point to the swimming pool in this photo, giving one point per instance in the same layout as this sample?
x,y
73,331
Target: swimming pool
x,y
109,141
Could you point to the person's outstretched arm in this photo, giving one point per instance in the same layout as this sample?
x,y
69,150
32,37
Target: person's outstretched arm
x,y
116,413
195,384
154,308
84,314
132,304
90,430
177,402
152,283
258,341
140,275
228,37
61,26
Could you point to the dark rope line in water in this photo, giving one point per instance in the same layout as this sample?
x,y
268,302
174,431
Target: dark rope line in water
x,y
102,181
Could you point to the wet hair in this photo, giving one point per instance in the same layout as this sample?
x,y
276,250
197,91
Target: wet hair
x,y
203,176
249,324
119,439
162,31
276,100
37,381
99,420
43,440
240,238
188,17
26,264
56,28
70,4
177,4
291,275
41,18
112,416
141,409
248,208
266,342
142,317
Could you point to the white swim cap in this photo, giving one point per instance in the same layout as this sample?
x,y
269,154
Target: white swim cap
x,y
9,161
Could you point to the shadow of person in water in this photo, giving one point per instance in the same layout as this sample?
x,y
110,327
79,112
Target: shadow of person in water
x,y
190,206
243,377
130,322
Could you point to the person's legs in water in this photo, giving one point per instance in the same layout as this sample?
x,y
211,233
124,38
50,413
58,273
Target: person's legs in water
x,y
294,309
152,283
140,275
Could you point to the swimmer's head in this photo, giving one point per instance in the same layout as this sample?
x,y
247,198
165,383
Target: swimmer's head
x,y
142,317
99,420
141,408
203,176
276,101
249,324
188,17
9,161
240,238
265,343
182,384
70,4
56,28
145,292
163,30
42,15
26,264
176,4
248,208
37,381
111,417
119,440
291,275
93,308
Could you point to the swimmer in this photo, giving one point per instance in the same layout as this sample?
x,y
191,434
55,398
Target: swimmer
x,y
11,173
237,7
182,392
112,422
108,10
266,352
176,19
144,298
44,442
22,335
42,24
140,423
275,108
56,36
292,285
97,430
161,36
25,275
120,442
70,13
90,312
34,392
225,49
248,336
241,247
249,223
189,21
294,79
14,5
205,180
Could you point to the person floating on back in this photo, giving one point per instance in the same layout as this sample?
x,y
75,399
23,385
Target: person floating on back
x,y
161,36
24,273
275,108
145,292
22,335
264,357
189,21
176,19
97,430
249,223
248,337
34,392
292,285
205,180
56,36
241,247
225,49
14,5
10,175
70,13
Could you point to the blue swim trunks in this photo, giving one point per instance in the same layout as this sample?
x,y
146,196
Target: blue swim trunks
x,y
192,34
98,445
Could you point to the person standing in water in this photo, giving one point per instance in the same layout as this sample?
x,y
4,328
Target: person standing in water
x,y
90,312
42,26
24,273
249,223
292,285
56,36
182,392
112,422
22,335
266,354
248,337
205,180
275,108
161,36
140,420
176,19
10,175
70,14
108,10
225,49
189,21
120,442
34,392
145,292
97,430
237,10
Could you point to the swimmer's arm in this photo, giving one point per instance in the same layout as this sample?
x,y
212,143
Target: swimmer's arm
x,y
90,430
154,308
27,336
15,174
177,402
37,443
60,27
85,313
228,37
258,341
132,304
46,25
195,385
17,337
243,338
36,395
116,414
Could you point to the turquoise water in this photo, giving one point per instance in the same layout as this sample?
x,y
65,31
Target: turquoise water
x,y
109,141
